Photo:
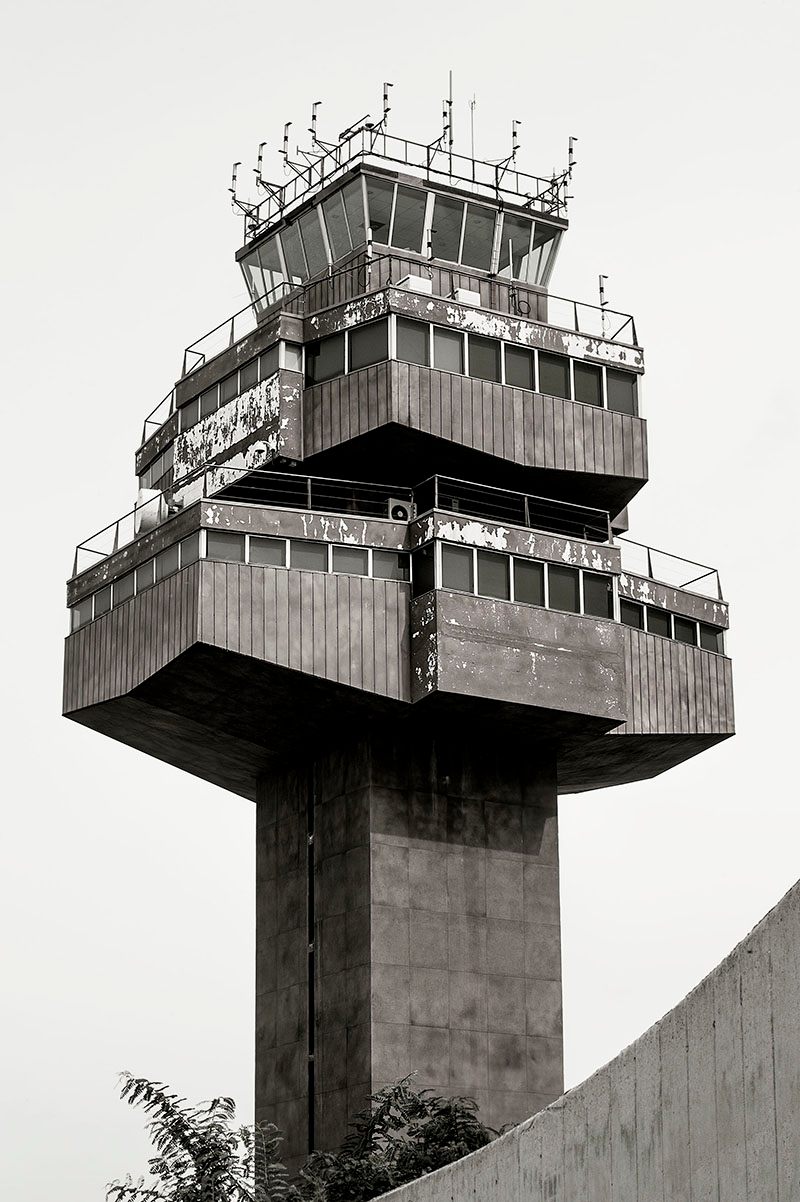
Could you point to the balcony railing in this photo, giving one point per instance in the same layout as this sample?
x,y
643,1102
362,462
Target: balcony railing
x,y
671,570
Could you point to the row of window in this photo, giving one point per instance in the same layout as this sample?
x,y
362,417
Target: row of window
x,y
287,355
462,232
670,626
158,468
474,355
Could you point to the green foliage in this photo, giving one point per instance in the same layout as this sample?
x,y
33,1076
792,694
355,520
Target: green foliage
x,y
401,1134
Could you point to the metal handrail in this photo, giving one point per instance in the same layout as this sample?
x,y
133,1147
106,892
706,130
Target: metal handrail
x,y
673,571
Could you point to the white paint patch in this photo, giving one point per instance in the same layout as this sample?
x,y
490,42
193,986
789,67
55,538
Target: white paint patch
x,y
475,534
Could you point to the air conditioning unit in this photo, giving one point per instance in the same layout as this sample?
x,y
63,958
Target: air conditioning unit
x,y
400,511
150,510
465,296
417,283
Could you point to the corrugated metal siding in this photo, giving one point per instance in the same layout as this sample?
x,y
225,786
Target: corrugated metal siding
x,y
674,688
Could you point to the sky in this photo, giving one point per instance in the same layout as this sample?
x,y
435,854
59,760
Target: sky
x,y
128,887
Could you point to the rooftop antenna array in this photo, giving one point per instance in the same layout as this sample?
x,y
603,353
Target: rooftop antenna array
x,y
601,281
472,106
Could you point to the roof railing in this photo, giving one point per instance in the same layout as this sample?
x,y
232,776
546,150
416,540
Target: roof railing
x,y
662,567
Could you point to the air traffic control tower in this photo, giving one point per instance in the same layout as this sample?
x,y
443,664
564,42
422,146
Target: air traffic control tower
x,y
375,583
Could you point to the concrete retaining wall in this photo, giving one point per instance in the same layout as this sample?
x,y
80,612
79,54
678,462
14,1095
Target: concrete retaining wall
x,y
704,1106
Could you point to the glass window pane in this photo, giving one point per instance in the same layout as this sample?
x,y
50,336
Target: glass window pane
x,y
446,230
271,265
292,356
190,414
493,575
448,349
208,401
325,359
369,344
621,388
422,570
457,568
354,208
528,582
390,565
352,560
268,363
515,240
409,218
659,622
711,638
598,595
413,341
379,206
631,614
82,613
293,254
269,551
478,237
221,544
554,375
484,357
519,367
312,557
251,269
336,225
685,630
167,562
190,549
229,388
541,249
588,383
145,575
248,375
102,601
310,230
123,588
563,587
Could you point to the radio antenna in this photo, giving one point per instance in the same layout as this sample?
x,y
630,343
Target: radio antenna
x,y
472,105
572,160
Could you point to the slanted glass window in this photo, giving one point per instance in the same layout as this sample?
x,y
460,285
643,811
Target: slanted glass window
x,y
520,367
229,388
528,582
251,269
448,349
268,363
457,568
167,562
293,254
631,614
354,209
81,613
409,218
336,225
379,207
554,375
224,544
190,414
248,375
311,233
621,390
598,595
190,549
543,244
354,561
102,601
271,265
123,588
208,401
493,575
413,341
446,230
390,565
325,359
711,638
369,344
268,551
478,237
685,630
145,575
515,241
422,570
564,591
484,357
588,383
292,356
659,622
311,557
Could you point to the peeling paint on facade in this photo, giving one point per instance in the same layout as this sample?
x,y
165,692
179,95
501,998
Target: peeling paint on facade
x,y
257,409
677,600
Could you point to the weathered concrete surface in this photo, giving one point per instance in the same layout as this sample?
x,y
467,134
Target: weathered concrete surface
x,y
705,1105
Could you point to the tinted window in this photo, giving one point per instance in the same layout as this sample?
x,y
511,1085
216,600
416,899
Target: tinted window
x,y
208,401
519,367
352,560
554,375
145,575
446,230
563,588
270,551
514,243
631,614
82,613
621,388
422,570
457,568
313,557
167,562
293,253
248,376
598,596
102,601
390,565
228,389
493,573
448,349
659,622
325,359
292,356
269,362
271,264
409,218
478,237
190,549
588,383
710,638
379,207
543,240
123,588
190,414
354,209
312,242
484,357
685,630
336,225
221,544
369,344
413,341
528,582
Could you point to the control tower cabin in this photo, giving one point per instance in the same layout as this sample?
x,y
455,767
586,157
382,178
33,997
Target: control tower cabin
x,y
375,583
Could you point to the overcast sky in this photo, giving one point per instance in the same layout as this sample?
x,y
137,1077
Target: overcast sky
x,y
128,887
